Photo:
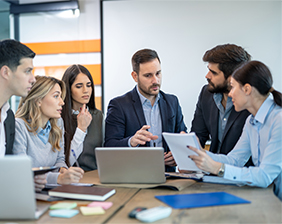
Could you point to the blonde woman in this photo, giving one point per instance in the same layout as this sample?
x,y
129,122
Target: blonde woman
x,y
40,130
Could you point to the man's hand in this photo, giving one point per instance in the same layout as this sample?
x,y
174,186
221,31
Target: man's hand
x,y
169,160
142,136
72,175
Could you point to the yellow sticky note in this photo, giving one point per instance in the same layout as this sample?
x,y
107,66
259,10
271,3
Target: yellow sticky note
x,y
92,210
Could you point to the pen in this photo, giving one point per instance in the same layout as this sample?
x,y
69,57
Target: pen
x,y
73,153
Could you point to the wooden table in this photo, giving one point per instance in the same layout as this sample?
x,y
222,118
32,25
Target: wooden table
x,y
265,207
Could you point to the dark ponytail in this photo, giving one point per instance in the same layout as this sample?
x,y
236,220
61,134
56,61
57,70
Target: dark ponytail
x,y
259,76
277,96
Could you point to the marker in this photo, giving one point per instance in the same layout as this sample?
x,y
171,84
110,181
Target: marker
x,y
76,162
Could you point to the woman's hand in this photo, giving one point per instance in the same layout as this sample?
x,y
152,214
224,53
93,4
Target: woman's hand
x,y
203,161
84,118
72,175
39,182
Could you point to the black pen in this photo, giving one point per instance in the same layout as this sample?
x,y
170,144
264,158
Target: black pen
x,y
73,153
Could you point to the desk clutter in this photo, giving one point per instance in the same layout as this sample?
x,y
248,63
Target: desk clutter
x,y
69,209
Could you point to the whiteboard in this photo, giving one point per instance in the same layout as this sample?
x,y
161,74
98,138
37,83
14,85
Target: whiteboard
x,y
181,32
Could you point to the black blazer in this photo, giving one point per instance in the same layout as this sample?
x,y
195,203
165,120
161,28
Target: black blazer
x,y
125,116
9,125
205,124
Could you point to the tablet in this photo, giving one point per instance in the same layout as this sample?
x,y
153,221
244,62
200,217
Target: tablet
x,y
43,169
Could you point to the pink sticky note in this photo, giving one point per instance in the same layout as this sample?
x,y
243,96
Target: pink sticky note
x,y
105,205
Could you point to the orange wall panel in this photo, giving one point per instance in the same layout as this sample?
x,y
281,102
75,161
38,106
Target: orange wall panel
x,y
59,47
58,71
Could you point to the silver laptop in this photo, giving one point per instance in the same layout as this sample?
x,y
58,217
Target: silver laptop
x,y
131,165
17,196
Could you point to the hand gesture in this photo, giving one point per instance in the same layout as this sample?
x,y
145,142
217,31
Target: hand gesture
x,y
142,136
72,175
84,118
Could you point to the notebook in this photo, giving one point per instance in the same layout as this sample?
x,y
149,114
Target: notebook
x,y
181,201
17,189
131,165
83,193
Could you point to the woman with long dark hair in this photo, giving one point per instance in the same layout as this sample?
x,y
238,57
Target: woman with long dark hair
x,y
261,138
83,121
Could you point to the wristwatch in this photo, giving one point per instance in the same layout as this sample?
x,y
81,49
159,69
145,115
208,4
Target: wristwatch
x,y
221,170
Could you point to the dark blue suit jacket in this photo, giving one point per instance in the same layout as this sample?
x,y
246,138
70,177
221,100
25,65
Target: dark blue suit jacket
x,y
9,125
205,124
125,116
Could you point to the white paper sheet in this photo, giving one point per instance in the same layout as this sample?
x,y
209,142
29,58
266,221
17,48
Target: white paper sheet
x,y
178,147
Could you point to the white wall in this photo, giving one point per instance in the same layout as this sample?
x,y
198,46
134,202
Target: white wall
x,y
181,32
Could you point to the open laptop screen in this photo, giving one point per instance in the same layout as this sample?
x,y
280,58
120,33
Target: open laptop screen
x,y
17,188
131,165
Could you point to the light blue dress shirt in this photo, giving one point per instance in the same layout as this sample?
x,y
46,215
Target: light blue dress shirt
x,y
223,115
262,139
152,117
43,134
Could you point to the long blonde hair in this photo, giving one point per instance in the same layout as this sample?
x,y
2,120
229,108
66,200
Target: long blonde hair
x,y
30,112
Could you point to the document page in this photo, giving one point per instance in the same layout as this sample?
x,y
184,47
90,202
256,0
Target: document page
x,y
178,147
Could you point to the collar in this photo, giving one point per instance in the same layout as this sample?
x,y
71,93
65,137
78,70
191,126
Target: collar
x,y
143,99
218,98
43,134
263,111
46,129
5,108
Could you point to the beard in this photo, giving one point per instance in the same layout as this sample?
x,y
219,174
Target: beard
x,y
148,91
223,88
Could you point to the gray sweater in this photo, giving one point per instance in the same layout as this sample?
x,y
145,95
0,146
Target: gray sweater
x,y
26,143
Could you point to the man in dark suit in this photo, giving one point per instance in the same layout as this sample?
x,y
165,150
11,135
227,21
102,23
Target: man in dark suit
x,y
215,117
139,117
16,78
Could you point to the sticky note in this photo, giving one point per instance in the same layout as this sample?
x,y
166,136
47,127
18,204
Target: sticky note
x,y
63,205
104,204
63,213
92,210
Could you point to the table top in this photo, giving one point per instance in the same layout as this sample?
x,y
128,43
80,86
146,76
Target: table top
x,y
265,207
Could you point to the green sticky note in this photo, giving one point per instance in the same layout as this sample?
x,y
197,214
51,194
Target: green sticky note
x,y
63,205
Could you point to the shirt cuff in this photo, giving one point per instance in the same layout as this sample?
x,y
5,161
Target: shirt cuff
x,y
52,177
79,135
129,145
